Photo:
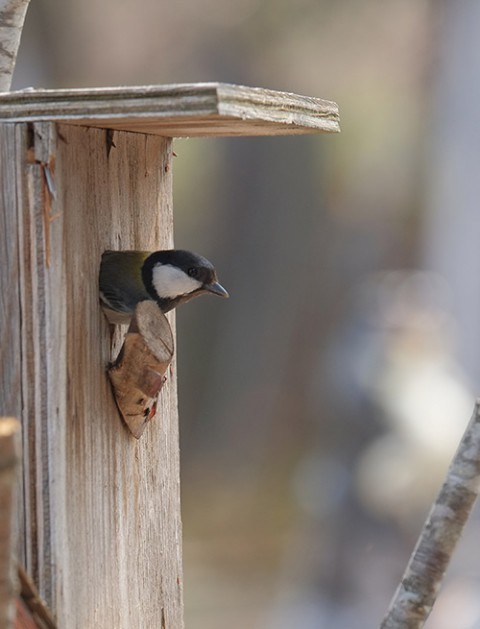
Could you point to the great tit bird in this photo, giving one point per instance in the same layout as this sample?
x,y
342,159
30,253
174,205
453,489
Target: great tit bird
x,y
170,278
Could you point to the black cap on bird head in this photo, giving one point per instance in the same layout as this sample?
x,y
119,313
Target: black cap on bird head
x,y
175,276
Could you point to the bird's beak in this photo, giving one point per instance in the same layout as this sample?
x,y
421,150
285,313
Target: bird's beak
x,y
216,289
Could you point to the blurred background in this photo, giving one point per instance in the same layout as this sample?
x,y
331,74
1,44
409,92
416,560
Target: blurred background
x,y
321,404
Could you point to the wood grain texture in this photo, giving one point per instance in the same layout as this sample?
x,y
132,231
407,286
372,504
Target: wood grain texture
x,y
101,509
10,366
197,109
12,178
9,459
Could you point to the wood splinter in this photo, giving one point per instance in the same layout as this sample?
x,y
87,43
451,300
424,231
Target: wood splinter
x,y
138,373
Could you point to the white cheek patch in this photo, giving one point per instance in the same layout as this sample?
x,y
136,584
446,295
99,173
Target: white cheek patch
x,y
170,281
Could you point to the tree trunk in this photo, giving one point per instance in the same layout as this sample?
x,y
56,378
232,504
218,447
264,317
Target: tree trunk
x,y
12,16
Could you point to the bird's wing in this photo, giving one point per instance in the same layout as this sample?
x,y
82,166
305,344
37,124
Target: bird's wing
x,y
120,280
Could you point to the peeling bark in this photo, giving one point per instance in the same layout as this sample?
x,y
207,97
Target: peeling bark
x,y
138,373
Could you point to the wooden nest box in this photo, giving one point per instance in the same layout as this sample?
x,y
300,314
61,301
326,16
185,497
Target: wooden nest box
x,y
83,171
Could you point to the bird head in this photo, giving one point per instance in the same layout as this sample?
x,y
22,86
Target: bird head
x,y
175,276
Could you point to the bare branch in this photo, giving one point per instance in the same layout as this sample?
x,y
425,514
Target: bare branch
x,y
12,16
416,594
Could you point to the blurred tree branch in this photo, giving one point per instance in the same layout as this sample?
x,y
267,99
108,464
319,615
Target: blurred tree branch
x,y
416,594
12,16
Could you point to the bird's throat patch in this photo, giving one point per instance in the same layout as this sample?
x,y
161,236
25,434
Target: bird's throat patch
x,y
170,281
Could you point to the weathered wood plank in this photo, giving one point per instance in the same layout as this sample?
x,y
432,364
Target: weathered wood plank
x,y
10,320
9,459
102,510
198,109
11,180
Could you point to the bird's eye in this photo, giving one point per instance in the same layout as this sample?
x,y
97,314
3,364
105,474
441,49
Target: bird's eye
x,y
192,271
